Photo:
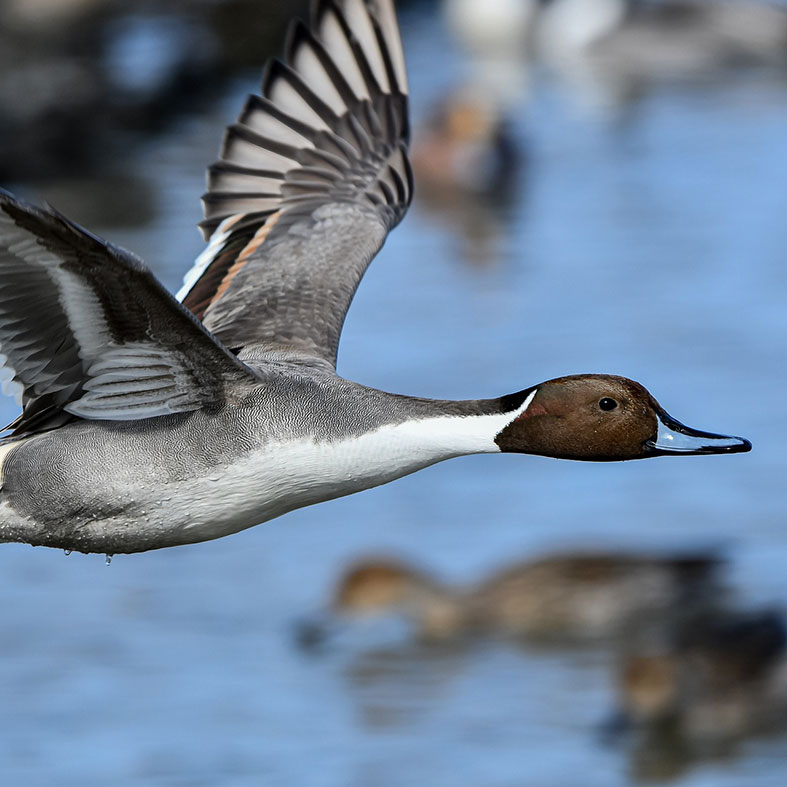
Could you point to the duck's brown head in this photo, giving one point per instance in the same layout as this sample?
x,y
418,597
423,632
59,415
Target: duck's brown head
x,y
378,587
373,586
602,418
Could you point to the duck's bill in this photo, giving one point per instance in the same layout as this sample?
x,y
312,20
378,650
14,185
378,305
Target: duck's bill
x,y
619,723
674,437
311,633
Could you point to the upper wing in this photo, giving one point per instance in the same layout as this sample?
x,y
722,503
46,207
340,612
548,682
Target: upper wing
x,y
87,330
311,179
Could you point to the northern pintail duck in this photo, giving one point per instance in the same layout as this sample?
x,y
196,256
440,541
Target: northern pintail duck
x,y
151,421
718,677
569,597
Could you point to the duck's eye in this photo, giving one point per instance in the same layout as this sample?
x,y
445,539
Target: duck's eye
x,y
607,404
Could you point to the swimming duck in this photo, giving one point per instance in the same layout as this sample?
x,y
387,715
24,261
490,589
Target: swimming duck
x,y
720,677
466,147
466,158
150,421
583,596
468,164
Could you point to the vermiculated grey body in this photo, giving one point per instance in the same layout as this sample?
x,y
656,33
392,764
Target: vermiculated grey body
x,y
87,485
150,421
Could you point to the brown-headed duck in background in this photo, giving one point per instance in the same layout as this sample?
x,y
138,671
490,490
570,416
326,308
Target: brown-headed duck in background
x,y
574,597
718,677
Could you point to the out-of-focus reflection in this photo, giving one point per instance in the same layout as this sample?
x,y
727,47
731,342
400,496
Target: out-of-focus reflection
x,y
392,686
581,597
467,159
700,688
609,51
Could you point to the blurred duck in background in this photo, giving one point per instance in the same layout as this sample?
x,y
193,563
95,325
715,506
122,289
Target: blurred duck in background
x,y
468,162
466,145
565,597
614,48
718,678
466,154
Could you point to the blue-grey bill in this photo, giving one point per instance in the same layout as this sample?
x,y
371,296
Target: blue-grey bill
x,y
674,437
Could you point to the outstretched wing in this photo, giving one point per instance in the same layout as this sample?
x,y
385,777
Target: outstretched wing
x,y
311,179
86,330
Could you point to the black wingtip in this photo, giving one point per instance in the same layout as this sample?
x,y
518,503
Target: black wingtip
x,y
272,71
297,35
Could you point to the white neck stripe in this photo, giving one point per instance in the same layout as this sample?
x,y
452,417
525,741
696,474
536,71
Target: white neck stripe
x,y
298,473
450,435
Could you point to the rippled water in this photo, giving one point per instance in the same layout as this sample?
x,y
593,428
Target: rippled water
x,y
653,246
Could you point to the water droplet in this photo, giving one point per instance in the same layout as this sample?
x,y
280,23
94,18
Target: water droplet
x,y
108,559
66,552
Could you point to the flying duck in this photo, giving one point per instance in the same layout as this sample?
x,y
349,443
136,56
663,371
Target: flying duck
x,y
151,420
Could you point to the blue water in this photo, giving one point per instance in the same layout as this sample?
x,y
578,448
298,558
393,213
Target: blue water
x,y
652,246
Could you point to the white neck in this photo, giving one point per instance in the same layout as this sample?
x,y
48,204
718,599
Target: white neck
x,y
434,439
395,450
283,476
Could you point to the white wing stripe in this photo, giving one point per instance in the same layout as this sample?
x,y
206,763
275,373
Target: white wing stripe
x,y
244,182
202,263
83,309
268,126
359,23
390,31
335,42
287,98
311,70
247,154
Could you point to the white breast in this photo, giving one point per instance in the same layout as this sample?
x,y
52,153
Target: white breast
x,y
285,476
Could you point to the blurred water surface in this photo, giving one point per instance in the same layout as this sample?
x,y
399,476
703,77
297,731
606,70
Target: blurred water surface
x,y
651,245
